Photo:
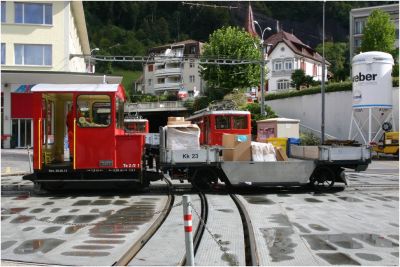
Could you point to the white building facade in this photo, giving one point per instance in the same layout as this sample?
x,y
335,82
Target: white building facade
x,y
174,71
285,55
38,41
358,19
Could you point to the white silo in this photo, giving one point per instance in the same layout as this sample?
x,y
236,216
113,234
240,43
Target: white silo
x,y
372,95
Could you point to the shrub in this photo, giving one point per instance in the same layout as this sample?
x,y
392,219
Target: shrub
x,y
309,139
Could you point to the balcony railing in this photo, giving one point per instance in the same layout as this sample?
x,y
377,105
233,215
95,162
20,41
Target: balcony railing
x,y
155,106
167,86
168,71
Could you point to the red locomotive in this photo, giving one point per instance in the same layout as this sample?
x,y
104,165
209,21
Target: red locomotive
x,y
214,123
100,143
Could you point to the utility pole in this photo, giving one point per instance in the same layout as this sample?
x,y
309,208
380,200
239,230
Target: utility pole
x,y
262,78
323,77
262,111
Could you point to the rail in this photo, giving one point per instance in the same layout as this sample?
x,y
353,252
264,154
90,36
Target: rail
x,y
139,244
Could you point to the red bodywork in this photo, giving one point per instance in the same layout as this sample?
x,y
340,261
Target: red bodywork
x,y
213,124
106,147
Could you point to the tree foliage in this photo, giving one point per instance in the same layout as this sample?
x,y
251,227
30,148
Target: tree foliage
x,y
338,55
230,43
379,33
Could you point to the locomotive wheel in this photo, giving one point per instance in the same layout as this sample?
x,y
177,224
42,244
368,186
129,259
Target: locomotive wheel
x,y
203,179
322,178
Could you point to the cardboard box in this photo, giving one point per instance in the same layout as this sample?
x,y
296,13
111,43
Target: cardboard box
x,y
280,154
177,121
237,147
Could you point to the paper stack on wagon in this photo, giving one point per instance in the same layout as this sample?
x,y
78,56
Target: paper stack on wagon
x,y
261,152
182,134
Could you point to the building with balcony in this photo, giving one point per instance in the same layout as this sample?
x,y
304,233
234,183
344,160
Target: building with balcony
x,y
175,69
286,54
358,19
38,41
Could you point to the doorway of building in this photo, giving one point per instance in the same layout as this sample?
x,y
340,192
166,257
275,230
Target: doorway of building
x,y
22,133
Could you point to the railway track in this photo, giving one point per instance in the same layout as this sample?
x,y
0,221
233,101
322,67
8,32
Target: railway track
x,y
140,243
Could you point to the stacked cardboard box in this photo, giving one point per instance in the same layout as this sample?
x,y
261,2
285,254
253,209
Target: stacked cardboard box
x,y
237,147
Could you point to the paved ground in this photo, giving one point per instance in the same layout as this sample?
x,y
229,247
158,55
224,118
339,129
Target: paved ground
x,y
355,226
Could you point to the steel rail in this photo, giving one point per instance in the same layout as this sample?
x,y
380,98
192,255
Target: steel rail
x,y
140,243
251,251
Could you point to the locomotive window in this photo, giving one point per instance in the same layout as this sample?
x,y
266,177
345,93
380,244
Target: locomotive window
x,y
101,113
119,115
93,111
239,122
222,122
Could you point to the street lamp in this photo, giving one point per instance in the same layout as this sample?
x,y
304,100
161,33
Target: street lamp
x,y
90,59
262,47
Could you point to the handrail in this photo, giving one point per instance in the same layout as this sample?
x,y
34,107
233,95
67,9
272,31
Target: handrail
x,y
39,145
317,131
153,105
74,157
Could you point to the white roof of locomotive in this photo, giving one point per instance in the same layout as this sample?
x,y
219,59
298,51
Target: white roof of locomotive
x,y
47,87
218,112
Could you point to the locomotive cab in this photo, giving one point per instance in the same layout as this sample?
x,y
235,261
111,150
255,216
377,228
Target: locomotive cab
x,y
80,135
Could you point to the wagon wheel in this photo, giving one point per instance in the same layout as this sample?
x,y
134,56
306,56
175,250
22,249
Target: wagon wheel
x,y
322,178
52,186
204,179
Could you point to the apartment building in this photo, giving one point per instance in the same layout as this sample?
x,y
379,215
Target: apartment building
x,y
39,44
173,70
358,19
287,53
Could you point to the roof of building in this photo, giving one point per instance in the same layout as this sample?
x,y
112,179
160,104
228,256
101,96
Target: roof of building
x,y
295,44
45,87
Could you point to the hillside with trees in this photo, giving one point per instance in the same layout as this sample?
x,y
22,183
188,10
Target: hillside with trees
x,y
131,28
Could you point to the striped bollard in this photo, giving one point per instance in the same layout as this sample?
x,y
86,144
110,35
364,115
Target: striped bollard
x,y
187,217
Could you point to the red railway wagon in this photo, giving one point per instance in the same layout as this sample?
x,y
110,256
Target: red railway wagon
x,y
101,147
214,123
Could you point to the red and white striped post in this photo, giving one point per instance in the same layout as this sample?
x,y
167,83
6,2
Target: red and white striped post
x,y
187,217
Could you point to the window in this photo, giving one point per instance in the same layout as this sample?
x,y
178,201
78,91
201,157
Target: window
x,y
33,55
191,65
303,65
239,122
160,80
3,53
94,111
222,122
193,50
192,78
288,64
150,68
358,27
33,13
315,70
278,65
357,43
283,84
149,82
3,11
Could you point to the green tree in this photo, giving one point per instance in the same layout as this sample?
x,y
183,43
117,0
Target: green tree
x,y
230,43
337,55
298,78
379,33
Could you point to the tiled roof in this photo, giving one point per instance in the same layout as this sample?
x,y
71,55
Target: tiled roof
x,y
293,43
